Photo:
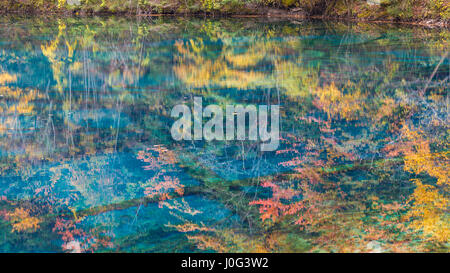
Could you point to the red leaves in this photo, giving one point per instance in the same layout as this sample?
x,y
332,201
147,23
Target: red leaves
x,y
163,157
77,240
269,208
273,208
163,160
67,230
163,188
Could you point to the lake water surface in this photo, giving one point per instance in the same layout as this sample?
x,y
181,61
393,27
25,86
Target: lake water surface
x,y
87,161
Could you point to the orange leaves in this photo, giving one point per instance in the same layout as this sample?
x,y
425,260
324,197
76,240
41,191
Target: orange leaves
x,y
296,161
67,230
163,160
269,209
162,188
273,208
308,173
22,221
163,157
386,109
77,240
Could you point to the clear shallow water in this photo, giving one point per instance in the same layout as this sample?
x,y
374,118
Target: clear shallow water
x,y
87,162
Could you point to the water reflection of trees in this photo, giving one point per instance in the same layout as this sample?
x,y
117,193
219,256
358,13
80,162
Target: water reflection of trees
x,y
351,174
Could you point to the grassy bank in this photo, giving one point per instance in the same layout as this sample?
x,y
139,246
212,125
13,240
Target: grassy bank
x,y
381,10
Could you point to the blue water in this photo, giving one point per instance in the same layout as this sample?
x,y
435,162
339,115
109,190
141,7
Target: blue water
x,y
82,98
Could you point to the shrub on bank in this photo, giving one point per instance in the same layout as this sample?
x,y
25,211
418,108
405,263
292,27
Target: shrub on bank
x,y
368,9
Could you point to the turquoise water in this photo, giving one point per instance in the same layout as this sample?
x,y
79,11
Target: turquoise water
x,y
87,162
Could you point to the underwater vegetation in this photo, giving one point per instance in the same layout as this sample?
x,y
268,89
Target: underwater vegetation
x,y
87,162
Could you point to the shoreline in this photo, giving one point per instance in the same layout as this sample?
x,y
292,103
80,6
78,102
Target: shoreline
x,y
260,13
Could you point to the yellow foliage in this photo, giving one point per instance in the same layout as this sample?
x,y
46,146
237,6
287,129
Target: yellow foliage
x,y
22,221
24,97
249,58
50,51
198,72
297,81
206,242
7,78
419,158
8,92
337,104
388,105
429,212
429,209
189,227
